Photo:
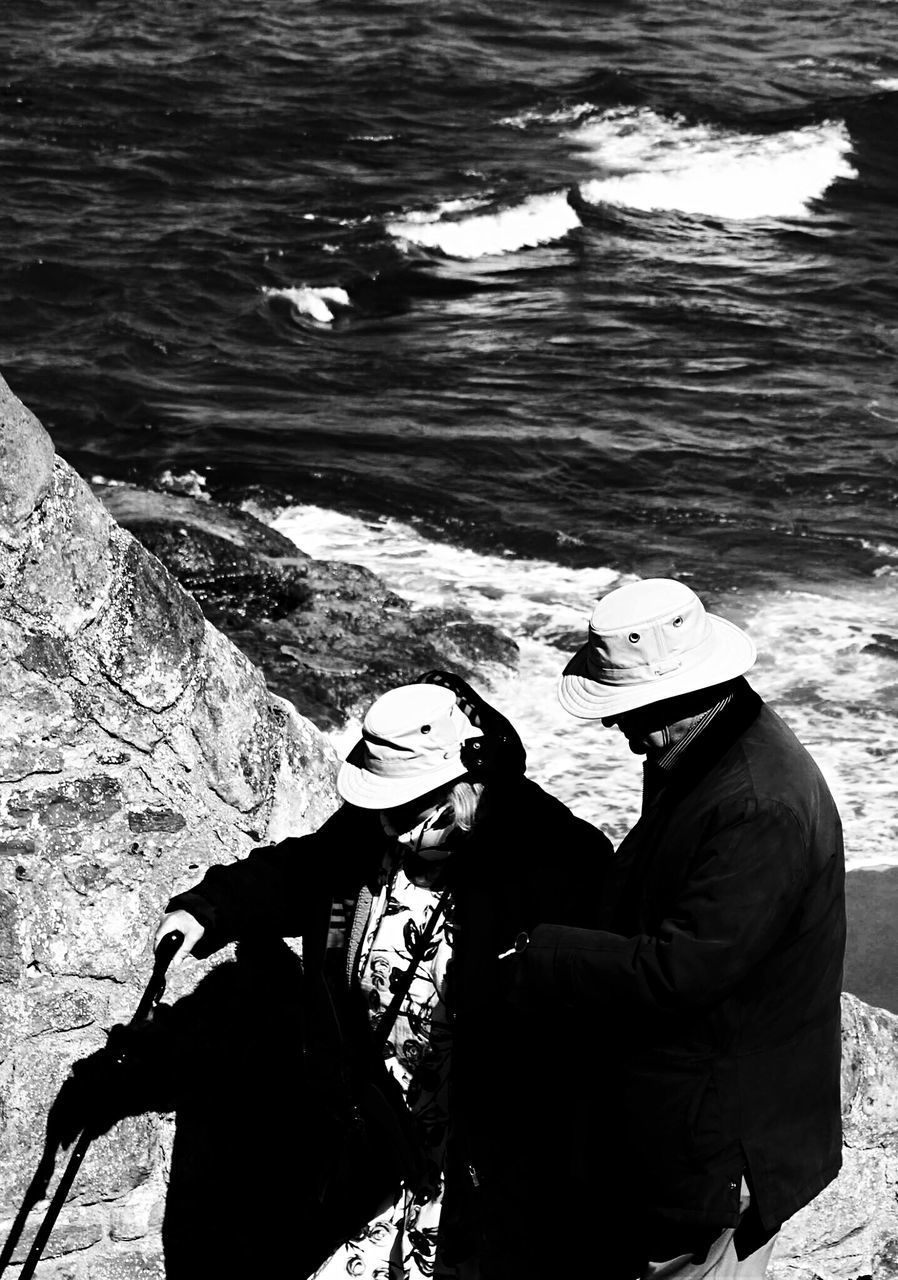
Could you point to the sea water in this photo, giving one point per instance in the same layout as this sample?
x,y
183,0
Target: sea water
x,y
819,665
510,303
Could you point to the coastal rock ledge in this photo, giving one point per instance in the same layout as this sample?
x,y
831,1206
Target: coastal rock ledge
x,y
138,746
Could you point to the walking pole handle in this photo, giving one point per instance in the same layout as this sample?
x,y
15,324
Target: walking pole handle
x,y
168,948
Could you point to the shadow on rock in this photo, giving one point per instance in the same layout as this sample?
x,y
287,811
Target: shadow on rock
x,y
249,1140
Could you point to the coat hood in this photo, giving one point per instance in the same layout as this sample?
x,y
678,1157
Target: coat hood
x,y
498,755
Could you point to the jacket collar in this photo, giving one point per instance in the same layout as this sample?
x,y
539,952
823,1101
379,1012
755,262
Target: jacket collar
x,y
707,748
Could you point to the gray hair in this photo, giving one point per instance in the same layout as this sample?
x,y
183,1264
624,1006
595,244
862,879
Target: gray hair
x,y
465,800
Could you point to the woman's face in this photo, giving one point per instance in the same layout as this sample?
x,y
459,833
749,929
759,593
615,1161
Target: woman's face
x,y
421,823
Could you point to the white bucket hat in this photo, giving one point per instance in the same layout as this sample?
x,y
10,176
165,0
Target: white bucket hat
x,y
411,744
649,641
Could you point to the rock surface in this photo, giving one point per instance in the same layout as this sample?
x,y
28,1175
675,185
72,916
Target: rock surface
x,y
137,746
328,635
851,1230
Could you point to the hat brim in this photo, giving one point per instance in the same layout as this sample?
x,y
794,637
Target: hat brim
x,y
367,790
733,654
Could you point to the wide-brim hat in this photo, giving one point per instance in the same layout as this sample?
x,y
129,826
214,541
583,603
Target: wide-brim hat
x,y
410,745
649,641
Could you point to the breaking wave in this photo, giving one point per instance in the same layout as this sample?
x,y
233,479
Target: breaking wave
x,y
651,162
537,220
318,304
827,662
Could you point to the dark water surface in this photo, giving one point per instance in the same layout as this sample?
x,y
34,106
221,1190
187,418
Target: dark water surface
x,y
596,288
661,386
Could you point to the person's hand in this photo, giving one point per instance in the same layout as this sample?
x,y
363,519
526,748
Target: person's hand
x,y
179,922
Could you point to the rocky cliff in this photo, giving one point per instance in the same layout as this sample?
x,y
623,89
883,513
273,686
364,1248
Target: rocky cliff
x,y
329,636
138,745
850,1232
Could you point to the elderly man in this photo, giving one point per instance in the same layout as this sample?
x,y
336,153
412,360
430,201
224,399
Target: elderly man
x,y
712,985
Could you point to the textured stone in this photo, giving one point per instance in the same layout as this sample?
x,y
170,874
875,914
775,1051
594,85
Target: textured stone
x,y
71,804
66,565
290,807
37,717
136,741
26,465
329,636
62,1004
120,1160
148,639
128,1264
74,1230
231,724
156,820
167,514
131,1221
233,585
850,1230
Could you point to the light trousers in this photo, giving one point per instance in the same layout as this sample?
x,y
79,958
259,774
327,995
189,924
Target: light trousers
x,y
721,1262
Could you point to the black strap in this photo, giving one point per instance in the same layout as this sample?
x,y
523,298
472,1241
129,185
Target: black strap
x,y
385,1025
324,1032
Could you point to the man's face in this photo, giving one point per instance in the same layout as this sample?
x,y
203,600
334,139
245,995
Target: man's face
x,y
649,730
645,729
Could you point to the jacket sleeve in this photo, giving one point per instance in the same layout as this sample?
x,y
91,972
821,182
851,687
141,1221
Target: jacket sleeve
x,y
742,886
270,891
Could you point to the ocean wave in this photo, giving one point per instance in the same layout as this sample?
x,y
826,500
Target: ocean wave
x,y
526,595
651,162
537,220
313,302
446,208
562,115
886,549
890,83
828,662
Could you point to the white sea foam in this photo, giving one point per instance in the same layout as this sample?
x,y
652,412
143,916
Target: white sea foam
x,y
313,302
563,115
817,666
423,217
651,162
537,220
880,548
191,483
890,83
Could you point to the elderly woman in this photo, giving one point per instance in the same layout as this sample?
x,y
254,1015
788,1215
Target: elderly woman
x,y
441,860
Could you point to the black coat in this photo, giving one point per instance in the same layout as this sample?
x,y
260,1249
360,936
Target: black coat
x,y
717,978
527,860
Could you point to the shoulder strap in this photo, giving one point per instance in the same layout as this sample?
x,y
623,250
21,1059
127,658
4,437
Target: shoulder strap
x,y
356,931
385,1026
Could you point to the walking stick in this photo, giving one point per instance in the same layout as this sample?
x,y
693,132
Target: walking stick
x,y
165,953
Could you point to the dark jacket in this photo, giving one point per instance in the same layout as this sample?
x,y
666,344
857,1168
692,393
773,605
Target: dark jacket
x,y
527,860
717,976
